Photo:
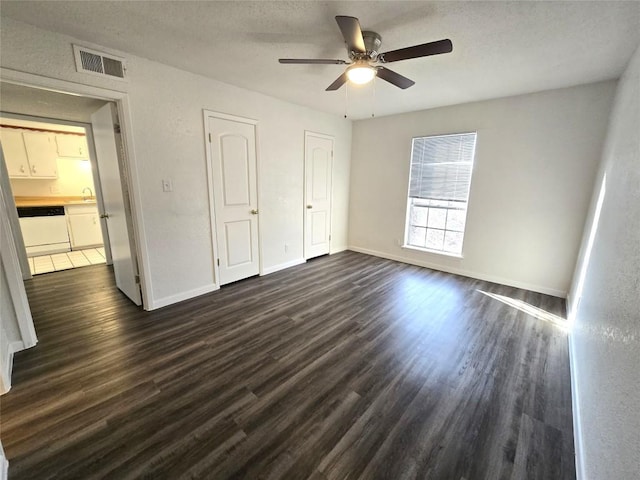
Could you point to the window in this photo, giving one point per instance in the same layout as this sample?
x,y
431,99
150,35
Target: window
x,y
439,183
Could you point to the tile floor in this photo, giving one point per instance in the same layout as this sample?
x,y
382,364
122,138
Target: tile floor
x,y
64,261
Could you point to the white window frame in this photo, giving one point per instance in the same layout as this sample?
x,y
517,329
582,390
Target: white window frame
x,y
433,205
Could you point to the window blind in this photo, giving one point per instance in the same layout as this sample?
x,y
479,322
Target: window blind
x,y
441,167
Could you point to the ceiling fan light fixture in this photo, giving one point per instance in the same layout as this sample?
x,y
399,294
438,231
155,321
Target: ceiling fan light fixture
x,y
361,73
363,48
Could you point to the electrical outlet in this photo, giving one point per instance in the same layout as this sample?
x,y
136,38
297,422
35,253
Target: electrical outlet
x,y
286,247
167,186
55,189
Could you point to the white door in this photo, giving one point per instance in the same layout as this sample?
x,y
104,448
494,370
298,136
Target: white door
x,y
233,168
116,204
317,192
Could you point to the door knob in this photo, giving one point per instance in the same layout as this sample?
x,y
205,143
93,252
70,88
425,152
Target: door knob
x,y
254,212
104,215
309,206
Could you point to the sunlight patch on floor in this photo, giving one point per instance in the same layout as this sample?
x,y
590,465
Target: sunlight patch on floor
x,y
529,309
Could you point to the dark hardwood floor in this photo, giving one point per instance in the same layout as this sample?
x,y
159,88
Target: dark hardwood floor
x,y
348,366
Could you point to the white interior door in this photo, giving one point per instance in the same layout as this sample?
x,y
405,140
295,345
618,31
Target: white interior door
x,y
233,168
317,219
116,203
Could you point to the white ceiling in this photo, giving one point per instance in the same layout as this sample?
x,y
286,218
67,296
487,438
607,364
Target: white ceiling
x,y
500,48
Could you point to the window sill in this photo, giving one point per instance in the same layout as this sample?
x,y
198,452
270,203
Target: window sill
x,y
436,252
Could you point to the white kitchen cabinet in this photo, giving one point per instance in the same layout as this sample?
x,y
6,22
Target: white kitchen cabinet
x,y
42,154
73,146
15,153
84,226
29,154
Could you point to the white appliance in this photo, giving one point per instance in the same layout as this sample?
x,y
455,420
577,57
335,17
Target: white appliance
x,y
44,230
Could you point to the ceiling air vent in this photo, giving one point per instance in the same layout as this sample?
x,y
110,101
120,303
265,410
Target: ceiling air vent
x,y
99,63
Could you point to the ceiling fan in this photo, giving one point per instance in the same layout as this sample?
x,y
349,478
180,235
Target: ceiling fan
x,y
365,61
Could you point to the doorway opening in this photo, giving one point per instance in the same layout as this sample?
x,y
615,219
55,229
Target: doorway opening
x,y
54,190
76,179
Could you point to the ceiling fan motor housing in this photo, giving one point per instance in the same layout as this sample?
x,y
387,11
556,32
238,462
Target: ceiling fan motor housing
x,y
372,42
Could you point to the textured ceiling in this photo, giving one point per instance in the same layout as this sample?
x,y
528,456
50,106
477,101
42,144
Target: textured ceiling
x,y
500,48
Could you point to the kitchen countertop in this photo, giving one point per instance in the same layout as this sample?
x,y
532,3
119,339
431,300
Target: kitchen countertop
x,y
52,201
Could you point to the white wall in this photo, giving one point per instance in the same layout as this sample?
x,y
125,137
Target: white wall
x,y
605,303
536,159
166,110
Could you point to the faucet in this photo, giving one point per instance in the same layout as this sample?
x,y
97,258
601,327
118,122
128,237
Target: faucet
x,y
84,196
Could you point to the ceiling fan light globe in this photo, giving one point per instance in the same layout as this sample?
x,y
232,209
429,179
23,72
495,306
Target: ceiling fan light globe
x,y
361,74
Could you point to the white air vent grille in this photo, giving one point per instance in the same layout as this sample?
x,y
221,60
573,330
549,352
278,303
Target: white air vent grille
x,y
98,63
112,67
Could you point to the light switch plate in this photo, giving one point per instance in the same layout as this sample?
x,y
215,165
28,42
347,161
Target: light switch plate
x,y
167,186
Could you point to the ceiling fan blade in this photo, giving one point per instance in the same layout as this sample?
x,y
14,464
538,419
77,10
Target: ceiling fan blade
x,y
341,80
424,50
394,78
312,61
350,28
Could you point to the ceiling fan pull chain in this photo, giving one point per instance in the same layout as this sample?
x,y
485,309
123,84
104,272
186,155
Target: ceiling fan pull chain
x,y
346,99
373,100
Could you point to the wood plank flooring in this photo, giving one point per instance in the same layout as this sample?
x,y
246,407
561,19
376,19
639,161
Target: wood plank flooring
x,y
348,366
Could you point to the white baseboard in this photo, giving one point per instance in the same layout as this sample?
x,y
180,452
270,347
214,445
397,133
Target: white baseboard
x,y
338,249
282,266
464,273
170,300
575,408
179,297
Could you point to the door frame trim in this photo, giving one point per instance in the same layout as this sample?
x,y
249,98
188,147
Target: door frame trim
x,y
15,282
121,99
14,222
206,114
310,133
